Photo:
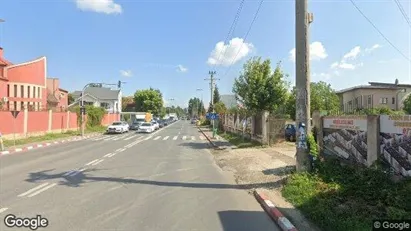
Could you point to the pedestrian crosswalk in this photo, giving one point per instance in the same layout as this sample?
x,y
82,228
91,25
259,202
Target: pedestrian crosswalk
x,y
131,136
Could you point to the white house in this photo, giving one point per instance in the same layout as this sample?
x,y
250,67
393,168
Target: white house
x,y
101,97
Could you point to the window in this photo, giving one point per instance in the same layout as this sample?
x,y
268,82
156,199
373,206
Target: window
x,y
21,105
369,100
28,92
383,100
22,91
8,90
38,92
104,105
15,90
15,104
34,92
393,100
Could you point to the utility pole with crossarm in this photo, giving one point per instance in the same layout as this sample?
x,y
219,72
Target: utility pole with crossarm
x,y
212,85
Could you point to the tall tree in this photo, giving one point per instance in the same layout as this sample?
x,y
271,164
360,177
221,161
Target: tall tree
x,y
407,104
149,100
194,105
216,96
322,98
127,102
258,88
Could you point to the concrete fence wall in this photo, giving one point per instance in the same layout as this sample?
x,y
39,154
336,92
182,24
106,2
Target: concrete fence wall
x,y
364,140
34,123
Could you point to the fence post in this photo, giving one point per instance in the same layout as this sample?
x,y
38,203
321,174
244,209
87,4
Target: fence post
x,y
373,138
68,121
50,120
264,126
25,121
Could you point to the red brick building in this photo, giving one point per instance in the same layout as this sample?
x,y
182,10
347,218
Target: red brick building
x,y
25,85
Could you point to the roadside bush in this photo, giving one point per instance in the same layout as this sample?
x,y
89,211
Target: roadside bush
x,y
94,115
341,198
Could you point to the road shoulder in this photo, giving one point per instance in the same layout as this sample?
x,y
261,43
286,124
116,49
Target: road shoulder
x,y
267,168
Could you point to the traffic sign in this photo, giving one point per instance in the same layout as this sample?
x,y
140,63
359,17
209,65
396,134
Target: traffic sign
x,y
213,116
15,113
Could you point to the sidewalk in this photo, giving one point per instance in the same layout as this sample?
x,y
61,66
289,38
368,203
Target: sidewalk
x,y
45,143
218,142
264,170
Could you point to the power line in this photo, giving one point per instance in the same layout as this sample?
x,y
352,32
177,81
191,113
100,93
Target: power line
x,y
376,28
403,12
231,30
245,37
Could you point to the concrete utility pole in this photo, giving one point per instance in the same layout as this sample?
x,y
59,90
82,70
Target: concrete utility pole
x,y
302,70
212,85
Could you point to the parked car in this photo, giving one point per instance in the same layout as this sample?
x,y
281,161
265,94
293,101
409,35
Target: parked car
x,y
155,124
161,123
193,121
118,127
290,132
146,127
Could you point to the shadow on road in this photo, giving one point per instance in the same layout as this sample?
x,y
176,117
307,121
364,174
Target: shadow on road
x,y
280,171
194,145
235,220
85,177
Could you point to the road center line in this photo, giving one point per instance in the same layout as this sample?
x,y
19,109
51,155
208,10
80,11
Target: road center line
x,y
108,154
165,138
112,154
92,162
42,190
175,137
68,173
32,190
98,162
3,209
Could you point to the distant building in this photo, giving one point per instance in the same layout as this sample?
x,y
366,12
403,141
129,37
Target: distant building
x,y
23,85
229,101
101,97
391,95
56,96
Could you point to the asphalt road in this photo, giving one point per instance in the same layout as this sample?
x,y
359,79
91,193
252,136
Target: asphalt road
x,y
165,181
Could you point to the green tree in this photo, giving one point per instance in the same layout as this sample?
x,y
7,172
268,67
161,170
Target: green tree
x,y
70,99
258,88
149,100
322,98
220,107
407,104
194,106
216,95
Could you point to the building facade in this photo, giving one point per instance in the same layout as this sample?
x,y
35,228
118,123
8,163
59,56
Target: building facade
x,y
23,85
391,95
101,97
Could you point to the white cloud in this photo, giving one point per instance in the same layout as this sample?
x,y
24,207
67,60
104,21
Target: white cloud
x,y
352,54
376,46
317,52
226,54
100,6
323,76
181,68
126,73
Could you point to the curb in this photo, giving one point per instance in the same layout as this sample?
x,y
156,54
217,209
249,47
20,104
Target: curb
x,y
40,145
208,138
274,213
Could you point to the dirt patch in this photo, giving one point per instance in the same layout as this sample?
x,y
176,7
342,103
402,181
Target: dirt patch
x,y
265,169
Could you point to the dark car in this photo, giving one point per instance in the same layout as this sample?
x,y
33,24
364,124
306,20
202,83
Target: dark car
x,y
290,132
161,123
135,125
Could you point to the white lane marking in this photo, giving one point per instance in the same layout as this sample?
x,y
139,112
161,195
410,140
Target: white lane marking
x,y
139,138
92,162
193,138
175,137
131,137
77,172
42,190
149,137
165,138
184,137
3,209
120,150
68,173
158,137
108,154
112,154
98,162
32,190
202,138
138,141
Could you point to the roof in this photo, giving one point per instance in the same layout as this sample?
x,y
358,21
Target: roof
x,y
376,85
61,89
51,98
99,92
229,100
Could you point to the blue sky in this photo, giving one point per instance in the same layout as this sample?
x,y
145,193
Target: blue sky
x,y
144,42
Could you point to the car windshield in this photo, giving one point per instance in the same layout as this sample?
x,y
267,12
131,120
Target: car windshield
x,y
146,124
117,123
